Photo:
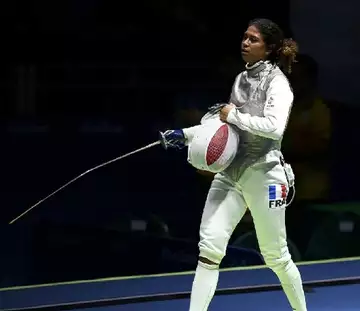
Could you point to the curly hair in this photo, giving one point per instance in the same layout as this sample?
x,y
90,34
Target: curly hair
x,y
283,51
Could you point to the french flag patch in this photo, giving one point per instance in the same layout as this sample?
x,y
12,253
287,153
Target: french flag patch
x,y
277,196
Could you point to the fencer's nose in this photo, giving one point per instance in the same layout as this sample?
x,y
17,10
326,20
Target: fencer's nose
x,y
245,43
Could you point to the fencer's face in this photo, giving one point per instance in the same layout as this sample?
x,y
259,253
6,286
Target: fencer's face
x,y
253,47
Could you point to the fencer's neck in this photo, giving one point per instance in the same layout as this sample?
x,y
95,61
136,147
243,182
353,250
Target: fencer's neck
x,y
254,69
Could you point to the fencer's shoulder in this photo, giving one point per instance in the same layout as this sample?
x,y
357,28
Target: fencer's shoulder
x,y
276,74
278,79
237,80
240,75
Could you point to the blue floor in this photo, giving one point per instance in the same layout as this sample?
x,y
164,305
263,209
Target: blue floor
x,y
344,297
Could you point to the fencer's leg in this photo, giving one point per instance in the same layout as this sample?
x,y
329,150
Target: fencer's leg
x,y
264,195
223,210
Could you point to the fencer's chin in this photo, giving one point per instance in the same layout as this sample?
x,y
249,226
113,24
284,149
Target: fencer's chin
x,y
245,57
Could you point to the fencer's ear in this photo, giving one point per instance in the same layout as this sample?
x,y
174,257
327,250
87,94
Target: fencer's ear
x,y
269,49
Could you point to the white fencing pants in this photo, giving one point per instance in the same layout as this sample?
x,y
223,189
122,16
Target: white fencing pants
x,y
264,192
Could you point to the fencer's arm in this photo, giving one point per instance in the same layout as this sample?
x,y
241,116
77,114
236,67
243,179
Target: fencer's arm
x,y
189,133
279,98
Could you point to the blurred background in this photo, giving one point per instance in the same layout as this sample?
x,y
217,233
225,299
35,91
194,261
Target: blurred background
x,y
84,81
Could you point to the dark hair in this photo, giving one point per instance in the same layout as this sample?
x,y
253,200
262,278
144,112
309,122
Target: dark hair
x,y
282,51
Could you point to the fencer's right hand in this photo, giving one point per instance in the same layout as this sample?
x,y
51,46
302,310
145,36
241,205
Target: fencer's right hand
x,y
173,139
216,108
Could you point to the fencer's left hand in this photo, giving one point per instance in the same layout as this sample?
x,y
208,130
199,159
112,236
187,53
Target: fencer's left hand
x,y
224,112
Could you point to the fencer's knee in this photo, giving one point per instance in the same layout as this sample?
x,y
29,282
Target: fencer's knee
x,y
278,263
210,255
213,244
206,261
207,264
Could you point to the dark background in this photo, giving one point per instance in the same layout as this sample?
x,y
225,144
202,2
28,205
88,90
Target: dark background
x,y
85,81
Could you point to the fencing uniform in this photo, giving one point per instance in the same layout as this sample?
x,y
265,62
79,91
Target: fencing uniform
x,y
256,179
